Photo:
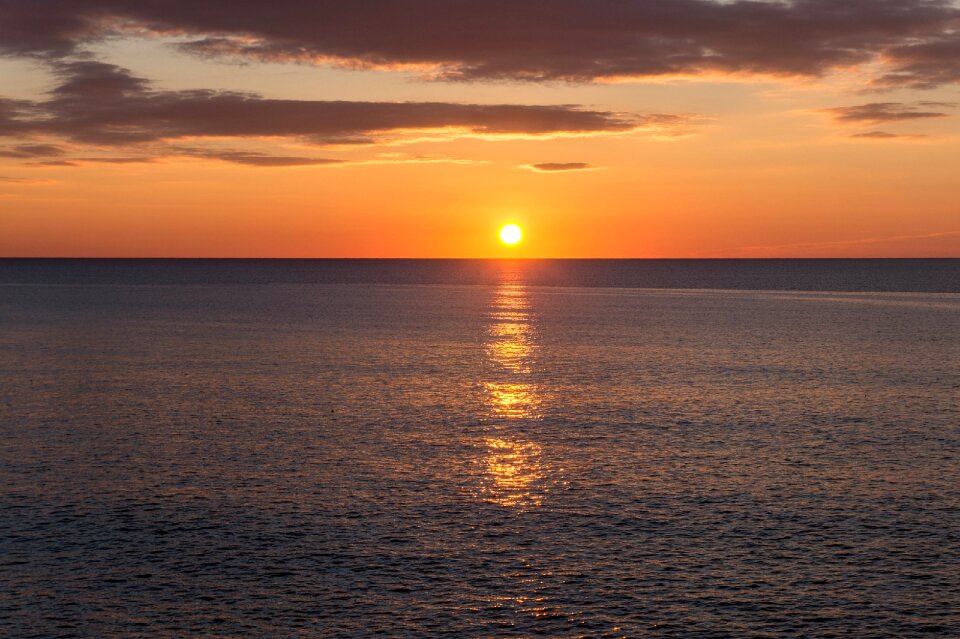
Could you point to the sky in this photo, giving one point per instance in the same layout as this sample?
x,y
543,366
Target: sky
x,y
417,128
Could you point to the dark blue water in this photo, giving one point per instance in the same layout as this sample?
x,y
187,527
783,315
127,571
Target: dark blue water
x,y
479,449
918,275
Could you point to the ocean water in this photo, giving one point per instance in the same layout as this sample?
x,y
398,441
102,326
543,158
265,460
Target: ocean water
x,y
480,449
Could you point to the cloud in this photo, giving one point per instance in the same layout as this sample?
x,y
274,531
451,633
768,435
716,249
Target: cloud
x,y
534,40
246,158
236,157
884,135
116,160
98,103
53,163
263,159
887,112
420,158
6,178
12,115
924,65
559,167
32,151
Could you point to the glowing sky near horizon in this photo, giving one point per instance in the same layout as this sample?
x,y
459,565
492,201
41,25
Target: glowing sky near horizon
x,y
628,128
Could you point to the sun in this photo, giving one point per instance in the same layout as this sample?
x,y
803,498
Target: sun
x,y
511,234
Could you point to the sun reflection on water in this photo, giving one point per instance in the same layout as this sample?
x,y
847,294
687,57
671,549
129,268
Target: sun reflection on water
x,y
513,466
511,331
514,401
509,346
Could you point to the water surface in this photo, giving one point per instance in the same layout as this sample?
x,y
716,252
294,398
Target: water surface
x,y
499,458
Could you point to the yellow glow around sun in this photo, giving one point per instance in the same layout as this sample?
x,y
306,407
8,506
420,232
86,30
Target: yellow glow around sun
x,y
511,234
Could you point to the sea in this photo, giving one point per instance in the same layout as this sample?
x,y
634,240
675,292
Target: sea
x,y
479,448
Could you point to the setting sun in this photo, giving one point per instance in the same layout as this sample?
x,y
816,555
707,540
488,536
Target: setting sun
x,y
511,234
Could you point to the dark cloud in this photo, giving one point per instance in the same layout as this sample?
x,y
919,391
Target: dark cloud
x,y
236,157
925,65
263,159
888,112
53,163
554,167
117,160
56,28
6,178
32,151
884,135
13,113
102,104
576,40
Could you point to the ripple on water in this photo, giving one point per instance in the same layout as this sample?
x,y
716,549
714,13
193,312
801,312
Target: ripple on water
x,y
328,460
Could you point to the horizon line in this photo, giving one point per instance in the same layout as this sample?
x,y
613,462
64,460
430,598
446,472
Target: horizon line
x,y
477,259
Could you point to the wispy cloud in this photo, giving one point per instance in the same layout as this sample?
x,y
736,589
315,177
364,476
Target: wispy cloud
x,y
926,63
32,151
884,135
142,159
888,112
263,160
52,163
559,167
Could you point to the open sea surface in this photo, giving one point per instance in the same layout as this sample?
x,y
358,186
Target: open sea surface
x,y
415,448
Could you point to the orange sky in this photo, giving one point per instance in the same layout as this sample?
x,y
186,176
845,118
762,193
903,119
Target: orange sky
x,y
143,136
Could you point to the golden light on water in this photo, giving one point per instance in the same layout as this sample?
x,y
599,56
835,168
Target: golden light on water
x,y
509,349
511,234
513,401
510,354
510,305
513,467
510,343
